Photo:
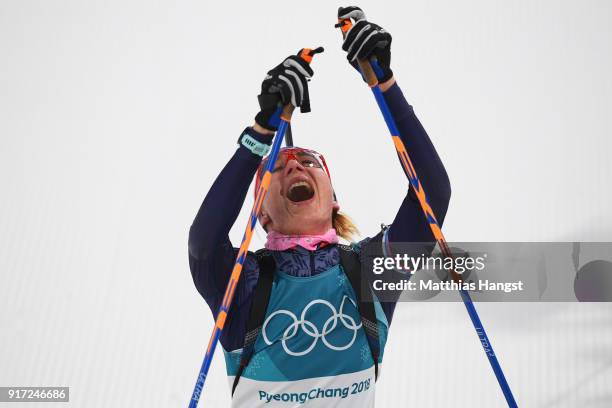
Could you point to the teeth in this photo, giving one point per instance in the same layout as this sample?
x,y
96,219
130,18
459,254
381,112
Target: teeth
x,y
299,183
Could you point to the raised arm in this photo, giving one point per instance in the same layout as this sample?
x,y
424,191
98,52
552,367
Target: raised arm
x,y
410,224
211,254
365,40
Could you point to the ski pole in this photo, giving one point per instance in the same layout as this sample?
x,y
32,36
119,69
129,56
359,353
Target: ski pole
x,y
240,258
372,81
307,55
289,136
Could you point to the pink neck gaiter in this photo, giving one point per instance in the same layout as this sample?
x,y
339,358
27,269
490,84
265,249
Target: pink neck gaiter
x,y
281,242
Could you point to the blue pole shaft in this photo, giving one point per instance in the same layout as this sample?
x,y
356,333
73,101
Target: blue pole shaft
x,y
229,293
467,300
488,348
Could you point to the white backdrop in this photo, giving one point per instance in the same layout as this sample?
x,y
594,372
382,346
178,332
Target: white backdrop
x,y
116,116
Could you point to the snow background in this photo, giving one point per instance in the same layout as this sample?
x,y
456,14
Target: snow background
x,y
116,116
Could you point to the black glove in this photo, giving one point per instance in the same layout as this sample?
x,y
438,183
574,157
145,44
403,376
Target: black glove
x,y
367,40
285,83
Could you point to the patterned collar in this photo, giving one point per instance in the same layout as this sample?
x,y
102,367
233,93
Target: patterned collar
x,y
301,262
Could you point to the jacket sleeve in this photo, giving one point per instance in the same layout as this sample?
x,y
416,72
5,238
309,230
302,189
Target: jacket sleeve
x,y
410,224
211,254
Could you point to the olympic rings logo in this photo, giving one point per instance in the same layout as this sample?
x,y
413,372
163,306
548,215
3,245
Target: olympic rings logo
x,y
311,329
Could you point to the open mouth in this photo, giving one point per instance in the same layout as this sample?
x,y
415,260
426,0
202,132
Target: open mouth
x,y
300,191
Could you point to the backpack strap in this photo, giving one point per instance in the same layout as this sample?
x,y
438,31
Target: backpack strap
x,y
257,315
352,268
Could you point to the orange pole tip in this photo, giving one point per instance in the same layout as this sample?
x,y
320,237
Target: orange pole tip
x,y
344,24
305,55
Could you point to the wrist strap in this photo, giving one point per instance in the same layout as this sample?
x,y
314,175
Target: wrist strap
x,y
254,145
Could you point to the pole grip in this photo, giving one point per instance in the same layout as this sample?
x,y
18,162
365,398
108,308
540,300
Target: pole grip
x,y
365,67
287,112
368,72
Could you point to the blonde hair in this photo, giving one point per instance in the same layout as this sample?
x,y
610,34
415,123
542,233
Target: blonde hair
x,y
344,226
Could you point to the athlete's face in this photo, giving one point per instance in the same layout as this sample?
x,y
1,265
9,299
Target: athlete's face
x,y
300,198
